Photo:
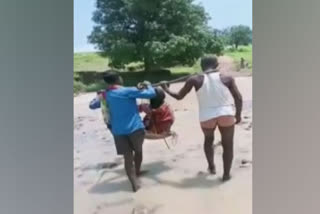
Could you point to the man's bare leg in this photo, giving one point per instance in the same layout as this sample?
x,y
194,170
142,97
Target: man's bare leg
x,y
128,164
227,134
138,156
137,139
209,149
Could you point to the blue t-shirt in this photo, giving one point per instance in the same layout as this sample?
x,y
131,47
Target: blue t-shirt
x,y
124,112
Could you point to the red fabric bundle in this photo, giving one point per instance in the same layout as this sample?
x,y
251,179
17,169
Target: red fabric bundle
x,y
158,120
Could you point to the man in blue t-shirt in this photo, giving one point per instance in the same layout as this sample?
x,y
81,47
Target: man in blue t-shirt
x,y
125,122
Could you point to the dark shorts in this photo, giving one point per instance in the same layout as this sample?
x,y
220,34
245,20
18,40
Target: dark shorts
x,y
131,142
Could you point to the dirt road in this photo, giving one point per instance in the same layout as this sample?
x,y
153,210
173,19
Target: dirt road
x,y
177,181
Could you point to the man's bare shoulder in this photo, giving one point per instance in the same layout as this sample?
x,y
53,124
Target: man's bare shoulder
x,y
227,79
192,78
226,76
195,80
195,77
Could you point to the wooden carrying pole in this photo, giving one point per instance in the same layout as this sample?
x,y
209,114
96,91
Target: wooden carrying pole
x,y
182,79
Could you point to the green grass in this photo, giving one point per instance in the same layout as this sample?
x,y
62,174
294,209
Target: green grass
x,y
96,63
90,62
185,69
242,52
88,67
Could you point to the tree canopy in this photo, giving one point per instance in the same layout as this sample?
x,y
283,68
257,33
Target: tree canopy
x,y
156,32
238,35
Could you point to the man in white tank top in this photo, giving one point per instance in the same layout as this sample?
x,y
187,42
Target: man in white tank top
x,y
220,105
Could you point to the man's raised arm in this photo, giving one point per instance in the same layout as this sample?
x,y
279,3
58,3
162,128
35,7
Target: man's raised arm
x,y
183,91
145,93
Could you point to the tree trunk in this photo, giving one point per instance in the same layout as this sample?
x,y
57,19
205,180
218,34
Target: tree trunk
x,y
236,46
148,62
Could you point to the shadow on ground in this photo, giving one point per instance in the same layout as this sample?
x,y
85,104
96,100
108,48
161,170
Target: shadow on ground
x,y
111,186
154,170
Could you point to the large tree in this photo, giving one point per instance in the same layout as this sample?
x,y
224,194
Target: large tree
x,y
156,32
238,35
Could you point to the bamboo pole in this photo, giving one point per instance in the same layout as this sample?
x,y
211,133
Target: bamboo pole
x,y
182,79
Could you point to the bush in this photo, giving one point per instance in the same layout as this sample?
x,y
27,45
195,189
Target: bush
x,y
232,49
93,87
92,81
78,87
215,46
76,76
135,66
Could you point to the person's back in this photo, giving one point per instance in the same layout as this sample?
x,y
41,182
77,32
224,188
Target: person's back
x,y
214,97
216,94
124,113
126,125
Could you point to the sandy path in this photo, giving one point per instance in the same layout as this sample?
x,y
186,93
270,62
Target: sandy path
x,y
227,66
177,181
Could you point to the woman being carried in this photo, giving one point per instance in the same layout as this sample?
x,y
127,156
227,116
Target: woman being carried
x,y
159,117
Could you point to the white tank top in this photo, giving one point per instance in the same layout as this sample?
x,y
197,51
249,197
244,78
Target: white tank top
x,y
214,98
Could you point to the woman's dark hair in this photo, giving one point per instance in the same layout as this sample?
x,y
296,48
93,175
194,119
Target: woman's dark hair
x,y
158,100
111,77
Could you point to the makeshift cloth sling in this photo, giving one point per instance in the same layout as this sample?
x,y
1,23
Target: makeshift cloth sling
x,y
158,122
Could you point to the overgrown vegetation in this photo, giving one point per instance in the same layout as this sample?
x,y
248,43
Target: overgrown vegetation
x,y
87,79
78,86
153,40
244,52
235,35
90,62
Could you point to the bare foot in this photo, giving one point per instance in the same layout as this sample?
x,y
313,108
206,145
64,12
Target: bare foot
x,y
226,178
142,173
135,187
212,170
